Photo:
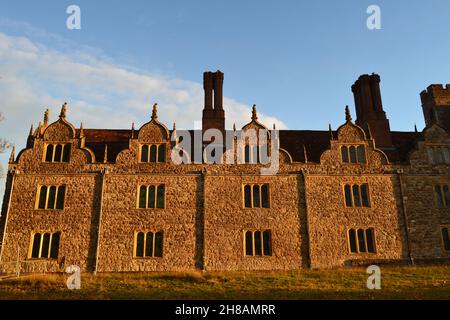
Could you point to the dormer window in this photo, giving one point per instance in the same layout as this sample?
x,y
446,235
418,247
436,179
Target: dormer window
x,y
153,153
353,154
57,152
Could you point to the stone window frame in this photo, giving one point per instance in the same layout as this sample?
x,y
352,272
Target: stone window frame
x,y
431,153
357,160
64,146
441,236
145,232
48,186
253,231
269,200
353,206
156,185
149,145
441,186
42,233
358,252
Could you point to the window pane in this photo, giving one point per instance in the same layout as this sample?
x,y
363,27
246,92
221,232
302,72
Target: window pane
x,y
361,155
352,240
54,247
258,244
160,198
60,198
248,243
45,246
153,150
247,154
49,154
446,238
248,196
440,200
151,196
159,244
256,198
144,153
66,154
370,241
255,154
344,152
42,197
51,198
140,244
361,241
58,153
352,154
365,195
36,246
356,196
446,196
267,243
143,197
265,196
348,196
162,153
149,245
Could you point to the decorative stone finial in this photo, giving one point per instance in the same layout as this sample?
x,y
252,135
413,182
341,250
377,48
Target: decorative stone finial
x,y
274,126
348,116
331,131
174,126
105,156
31,130
63,111
415,128
234,126
81,130
155,112
46,117
254,115
132,130
11,157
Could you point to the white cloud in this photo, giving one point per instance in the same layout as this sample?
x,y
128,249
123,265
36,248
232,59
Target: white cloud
x,y
100,93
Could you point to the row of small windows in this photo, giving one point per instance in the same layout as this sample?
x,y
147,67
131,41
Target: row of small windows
x,y
258,243
153,153
439,155
57,152
442,196
256,196
353,154
254,154
362,240
357,195
148,244
152,196
45,245
51,197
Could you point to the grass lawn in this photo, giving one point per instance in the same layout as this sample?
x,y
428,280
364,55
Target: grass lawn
x,y
430,282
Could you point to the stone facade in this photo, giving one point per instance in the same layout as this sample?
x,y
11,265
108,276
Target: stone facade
x,y
204,219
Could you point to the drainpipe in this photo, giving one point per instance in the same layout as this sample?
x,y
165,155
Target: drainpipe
x,y
13,178
99,226
405,216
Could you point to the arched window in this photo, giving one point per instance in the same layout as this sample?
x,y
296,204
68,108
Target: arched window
x,y
49,153
144,153
248,196
58,153
162,153
247,154
352,241
249,243
140,245
446,238
149,244
356,196
265,196
143,197
152,196
352,151
365,195
51,197
153,153
348,196
66,153
258,243
45,245
361,241
344,152
267,243
361,154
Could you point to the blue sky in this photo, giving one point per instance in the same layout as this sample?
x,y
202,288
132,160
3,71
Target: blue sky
x,y
295,59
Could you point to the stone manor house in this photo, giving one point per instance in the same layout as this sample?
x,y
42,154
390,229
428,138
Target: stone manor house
x,y
114,201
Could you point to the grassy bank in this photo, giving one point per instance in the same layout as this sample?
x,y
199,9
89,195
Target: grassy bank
x,y
431,282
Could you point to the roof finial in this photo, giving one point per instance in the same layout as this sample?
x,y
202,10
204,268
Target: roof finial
x,y
38,131
174,126
81,130
11,157
274,126
369,132
63,111
254,115
234,126
331,131
348,116
105,156
132,130
415,128
305,154
155,112
46,117
31,130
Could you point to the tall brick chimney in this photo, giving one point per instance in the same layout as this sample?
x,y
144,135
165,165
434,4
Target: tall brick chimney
x,y
213,115
436,105
369,109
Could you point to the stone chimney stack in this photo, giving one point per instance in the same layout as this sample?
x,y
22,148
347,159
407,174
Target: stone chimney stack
x,y
213,115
